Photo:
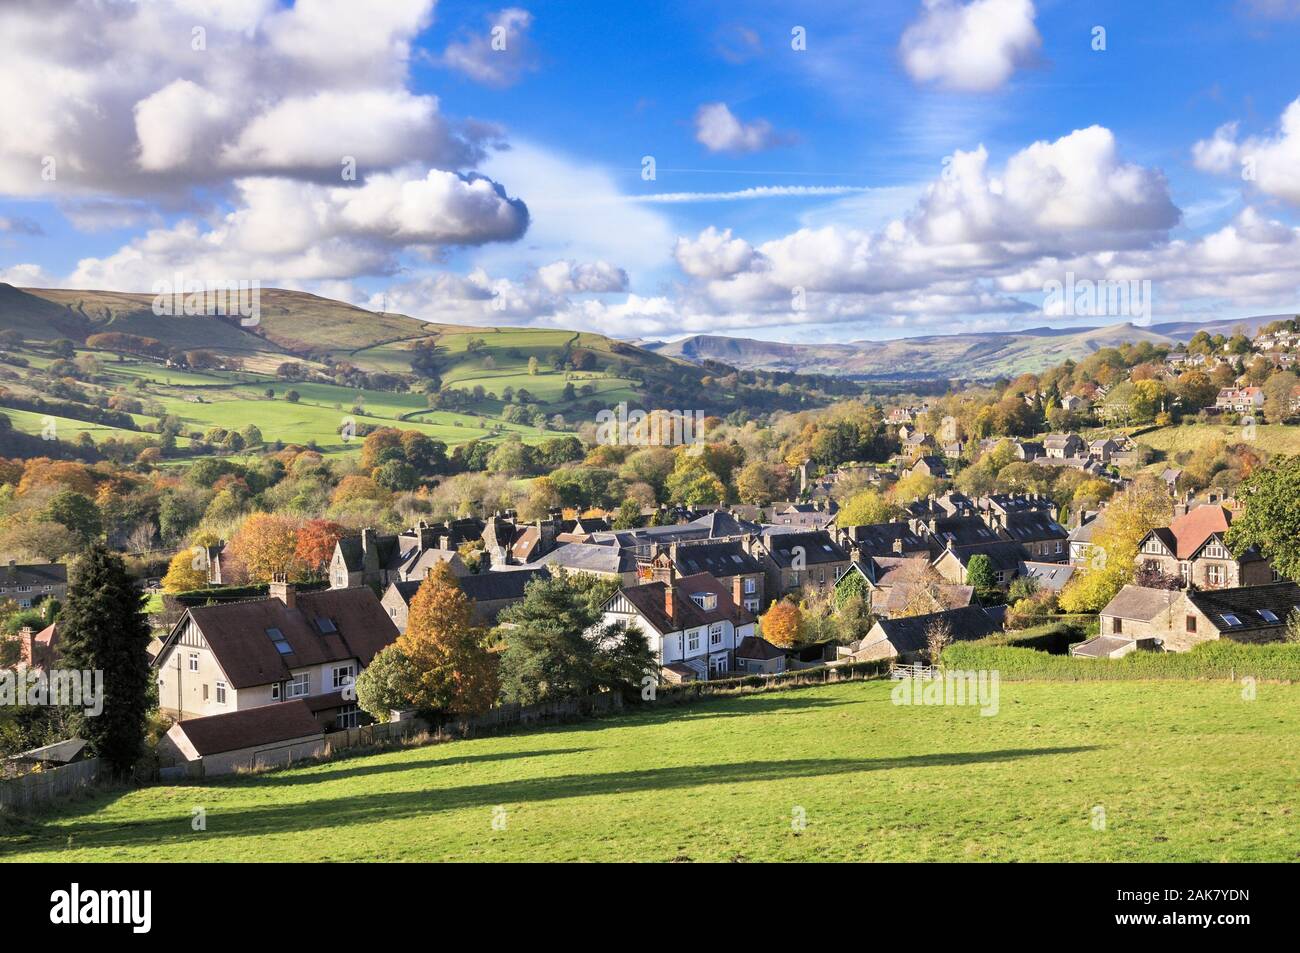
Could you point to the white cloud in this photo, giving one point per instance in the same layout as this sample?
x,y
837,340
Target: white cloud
x,y
27,276
134,102
718,130
284,230
498,57
1270,163
973,46
571,277
713,254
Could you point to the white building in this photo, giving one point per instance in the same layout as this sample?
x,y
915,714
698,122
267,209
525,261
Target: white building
x,y
691,622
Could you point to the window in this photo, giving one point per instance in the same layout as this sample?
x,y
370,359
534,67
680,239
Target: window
x,y
1230,620
194,661
693,641
705,600
275,692
751,585
1214,575
325,626
348,717
715,634
1117,626
221,693
205,691
278,640
343,676
1268,615
1191,624
298,686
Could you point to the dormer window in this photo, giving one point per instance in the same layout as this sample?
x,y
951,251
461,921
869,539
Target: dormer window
x,y
705,600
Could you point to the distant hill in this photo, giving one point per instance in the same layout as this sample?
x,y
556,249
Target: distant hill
x,y
978,355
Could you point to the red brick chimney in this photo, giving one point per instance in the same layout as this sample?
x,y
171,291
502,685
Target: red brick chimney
x,y
26,646
281,588
738,590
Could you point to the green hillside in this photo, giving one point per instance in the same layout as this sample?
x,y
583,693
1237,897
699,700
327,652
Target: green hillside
x,y
1106,772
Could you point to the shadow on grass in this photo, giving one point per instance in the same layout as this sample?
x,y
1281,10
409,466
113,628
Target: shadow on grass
x,y
289,777
319,816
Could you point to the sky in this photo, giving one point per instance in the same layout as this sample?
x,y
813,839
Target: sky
x,y
803,172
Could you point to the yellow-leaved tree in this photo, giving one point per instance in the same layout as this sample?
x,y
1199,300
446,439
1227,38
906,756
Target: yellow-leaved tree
x,y
1112,563
186,571
454,670
781,624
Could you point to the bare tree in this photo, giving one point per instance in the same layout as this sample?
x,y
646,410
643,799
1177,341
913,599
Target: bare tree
x,y
938,636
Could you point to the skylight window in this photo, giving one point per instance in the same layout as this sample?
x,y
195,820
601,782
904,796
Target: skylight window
x,y
1231,621
326,626
278,640
1268,615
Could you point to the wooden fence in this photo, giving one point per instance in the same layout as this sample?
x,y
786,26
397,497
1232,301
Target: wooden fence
x,y
29,789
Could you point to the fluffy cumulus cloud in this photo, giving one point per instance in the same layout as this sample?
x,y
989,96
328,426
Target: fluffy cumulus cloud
x,y
281,229
719,130
713,254
287,134
500,55
572,277
973,46
1270,164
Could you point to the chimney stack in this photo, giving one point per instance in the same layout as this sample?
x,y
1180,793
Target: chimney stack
x,y
26,647
367,539
282,589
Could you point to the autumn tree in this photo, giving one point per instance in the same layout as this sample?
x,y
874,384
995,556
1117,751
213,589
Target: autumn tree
x,y
1271,519
266,544
454,671
782,623
186,571
315,546
1130,516
865,508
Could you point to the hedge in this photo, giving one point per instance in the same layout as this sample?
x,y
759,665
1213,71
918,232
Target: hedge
x,y
1220,659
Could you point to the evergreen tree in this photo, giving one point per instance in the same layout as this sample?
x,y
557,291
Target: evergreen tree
x,y
104,629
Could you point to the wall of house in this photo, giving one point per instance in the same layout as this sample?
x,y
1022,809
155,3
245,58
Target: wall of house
x,y
396,608
181,692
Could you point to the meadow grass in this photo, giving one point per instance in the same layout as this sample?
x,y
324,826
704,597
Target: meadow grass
x,y
1181,771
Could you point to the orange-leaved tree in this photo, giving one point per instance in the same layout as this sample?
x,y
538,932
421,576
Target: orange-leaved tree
x,y
266,544
316,540
455,670
781,624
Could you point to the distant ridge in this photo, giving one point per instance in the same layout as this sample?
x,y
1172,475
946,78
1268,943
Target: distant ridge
x,y
973,355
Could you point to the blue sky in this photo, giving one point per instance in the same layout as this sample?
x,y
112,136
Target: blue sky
x,y
948,159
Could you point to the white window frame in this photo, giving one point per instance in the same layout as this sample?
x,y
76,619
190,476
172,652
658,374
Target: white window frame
x,y
715,634
299,686
693,641
221,693
194,661
348,672
347,717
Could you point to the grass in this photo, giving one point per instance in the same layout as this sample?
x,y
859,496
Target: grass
x,y
1183,772
1273,438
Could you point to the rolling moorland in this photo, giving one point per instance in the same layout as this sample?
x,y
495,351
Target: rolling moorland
x,y
982,355
723,780
237,377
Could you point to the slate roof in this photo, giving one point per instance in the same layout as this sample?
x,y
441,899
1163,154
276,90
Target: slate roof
x,y
590,557
963,531
1002,555
818,547
1140,604
877,539
717,559
1247,604
237,633
45,574
1049,576
251,727
909,634
1035,526
1100,646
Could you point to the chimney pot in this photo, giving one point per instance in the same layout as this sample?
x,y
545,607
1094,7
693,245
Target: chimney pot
x,y
281,588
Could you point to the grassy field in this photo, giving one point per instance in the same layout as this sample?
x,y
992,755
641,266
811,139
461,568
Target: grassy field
x,y
1273,438
1182,772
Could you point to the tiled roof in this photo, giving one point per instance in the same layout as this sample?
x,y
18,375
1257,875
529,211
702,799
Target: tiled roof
x,y
717,559
1192,529
758,648
251,727
238,633
650,601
